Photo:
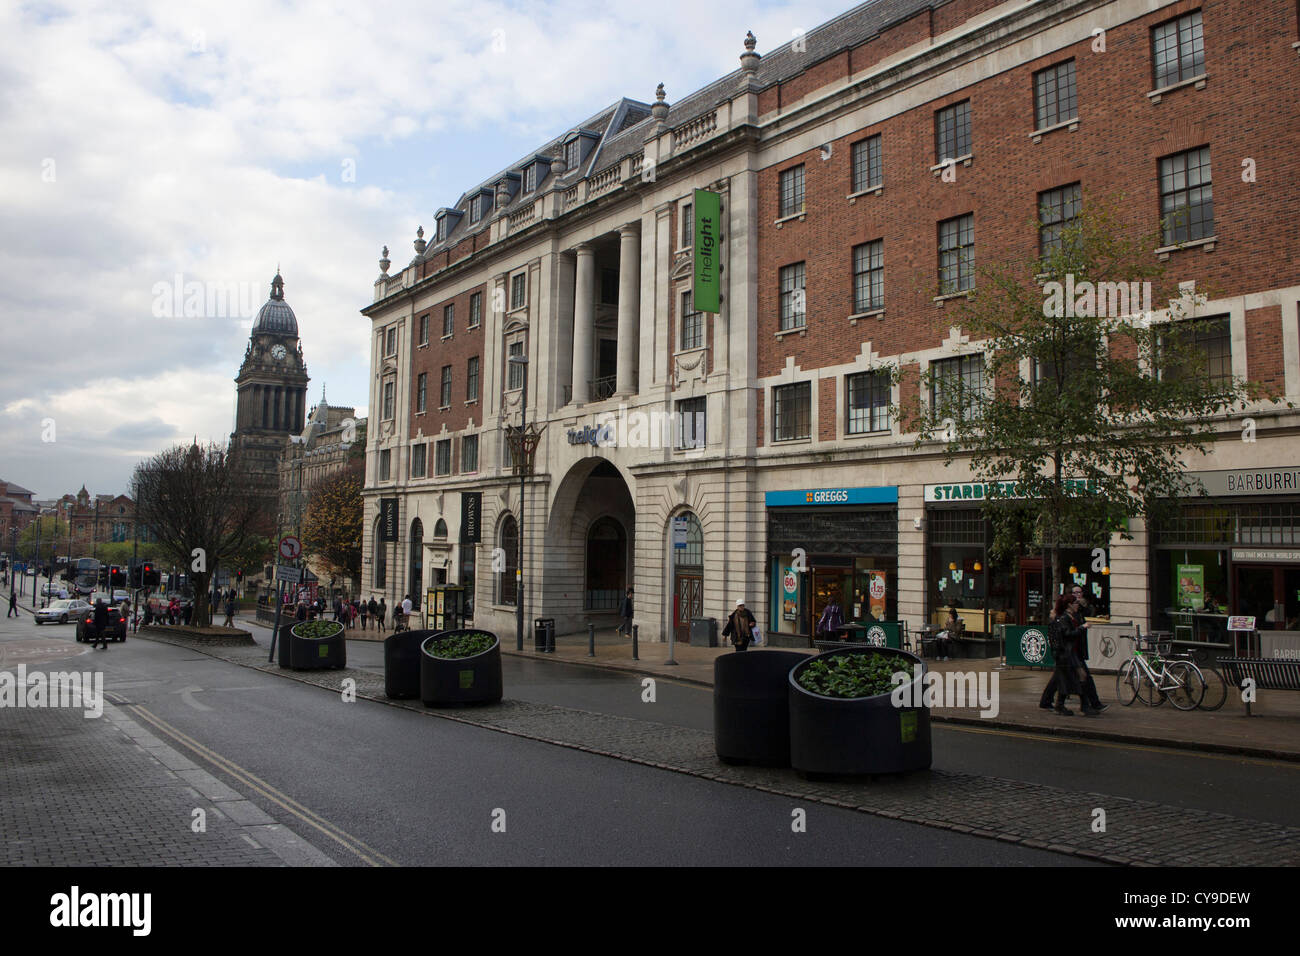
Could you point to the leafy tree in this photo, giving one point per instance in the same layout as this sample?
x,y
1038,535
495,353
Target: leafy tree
x,y
332,525
1089,400
198,504
52,532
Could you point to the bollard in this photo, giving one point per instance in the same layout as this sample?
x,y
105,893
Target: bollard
x,y
635,629
591,639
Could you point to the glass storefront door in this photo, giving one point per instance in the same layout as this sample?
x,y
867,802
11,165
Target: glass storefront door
x,y
1271,594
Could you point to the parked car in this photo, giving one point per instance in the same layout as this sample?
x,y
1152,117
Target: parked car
x,y
50,589
120,595
61,611
116,626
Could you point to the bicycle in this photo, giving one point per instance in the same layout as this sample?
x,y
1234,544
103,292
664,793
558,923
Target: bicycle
x,y
1181,681
1216,685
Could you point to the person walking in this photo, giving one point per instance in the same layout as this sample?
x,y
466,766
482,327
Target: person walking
x,y
101,624
383,613
1087,685
740,626
364,608
1065,632
13,605
626,614
832,618
230,610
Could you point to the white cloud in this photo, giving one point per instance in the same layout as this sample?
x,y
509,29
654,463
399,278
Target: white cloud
x,y
207,139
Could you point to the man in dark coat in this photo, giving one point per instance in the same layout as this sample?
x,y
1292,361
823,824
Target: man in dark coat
x,y
373,609
627,614
101,623
13,605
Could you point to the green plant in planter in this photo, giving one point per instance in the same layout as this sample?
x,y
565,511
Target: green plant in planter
x,y
316,629
462,645
850,675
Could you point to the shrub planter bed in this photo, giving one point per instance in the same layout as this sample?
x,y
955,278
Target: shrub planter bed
x,y
843,720
460,667
317,645
402,664
751,707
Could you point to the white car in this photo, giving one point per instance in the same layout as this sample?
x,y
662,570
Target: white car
x,y
61,612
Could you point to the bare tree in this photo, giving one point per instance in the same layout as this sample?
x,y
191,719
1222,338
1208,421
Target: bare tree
x,y
198,503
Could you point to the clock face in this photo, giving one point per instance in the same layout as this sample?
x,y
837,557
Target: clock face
x,y
278,352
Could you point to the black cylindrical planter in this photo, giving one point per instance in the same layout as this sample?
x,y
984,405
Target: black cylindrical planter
x,y
402,664
463,680
861,735
751,707
317,653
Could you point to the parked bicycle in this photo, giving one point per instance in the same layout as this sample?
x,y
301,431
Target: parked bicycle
x,y
1216,685
1153,678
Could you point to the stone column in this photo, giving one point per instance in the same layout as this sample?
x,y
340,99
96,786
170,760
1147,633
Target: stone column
x,y
629,308
584,323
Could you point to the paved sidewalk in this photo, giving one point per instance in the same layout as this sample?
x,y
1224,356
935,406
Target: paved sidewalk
x,y
1032,815
1273,731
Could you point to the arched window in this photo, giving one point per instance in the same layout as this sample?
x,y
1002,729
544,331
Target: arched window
x,y
440,530
380,559
508,541
606,565
691,556
417,562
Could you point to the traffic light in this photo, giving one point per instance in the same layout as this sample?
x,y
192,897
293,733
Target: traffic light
x,y
102,577
137,576
152,577
116,576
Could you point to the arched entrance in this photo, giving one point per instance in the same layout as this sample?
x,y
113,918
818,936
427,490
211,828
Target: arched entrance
x,y
606,577
588,547
686,544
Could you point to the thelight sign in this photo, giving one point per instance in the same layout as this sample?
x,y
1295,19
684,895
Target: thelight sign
x,y
707,288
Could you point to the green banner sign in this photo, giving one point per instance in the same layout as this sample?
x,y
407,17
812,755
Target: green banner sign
x,y
1027,646
706,292
1191,585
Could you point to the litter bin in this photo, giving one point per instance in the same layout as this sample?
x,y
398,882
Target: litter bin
x,y
704,632
543,634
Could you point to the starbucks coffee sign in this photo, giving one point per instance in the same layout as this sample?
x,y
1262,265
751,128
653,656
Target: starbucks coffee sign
x,y
876,636
1033,645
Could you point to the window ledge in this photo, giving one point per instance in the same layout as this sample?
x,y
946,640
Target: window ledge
x,y
446,337
941,299
444,408
869,314
522,308
792,441
1207,244
423,345
801,330
698,349
474,326
418,414
471,401
881,433
1038,134
782,220
873,191
681,249
964,160
1197,81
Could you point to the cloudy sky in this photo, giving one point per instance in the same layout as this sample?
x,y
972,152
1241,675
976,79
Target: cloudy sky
x,y
145,144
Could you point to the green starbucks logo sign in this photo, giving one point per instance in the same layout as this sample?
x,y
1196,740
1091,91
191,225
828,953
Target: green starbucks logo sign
x,y
1033,645
876,636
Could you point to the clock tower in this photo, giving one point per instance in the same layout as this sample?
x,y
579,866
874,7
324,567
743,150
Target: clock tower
x,y
271,394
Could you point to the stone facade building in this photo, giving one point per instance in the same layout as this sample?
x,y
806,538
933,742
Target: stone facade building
x,y
17,511
864,171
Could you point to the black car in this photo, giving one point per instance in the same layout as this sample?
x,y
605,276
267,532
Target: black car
x,y
116,626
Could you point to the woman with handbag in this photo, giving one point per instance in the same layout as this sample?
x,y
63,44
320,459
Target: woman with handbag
x,y
740,626
1064,635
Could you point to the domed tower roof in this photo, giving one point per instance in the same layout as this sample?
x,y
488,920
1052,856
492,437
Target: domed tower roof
x,y
276,317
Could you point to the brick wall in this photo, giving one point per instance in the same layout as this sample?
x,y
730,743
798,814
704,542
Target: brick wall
x,y
456,352
1264,347
1242,112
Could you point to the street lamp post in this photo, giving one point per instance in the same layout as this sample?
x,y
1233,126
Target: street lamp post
x,y
522,463
36,578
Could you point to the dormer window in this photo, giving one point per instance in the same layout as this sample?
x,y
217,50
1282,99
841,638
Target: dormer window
x,y
442,229
530,178
573,153
479,206
447,219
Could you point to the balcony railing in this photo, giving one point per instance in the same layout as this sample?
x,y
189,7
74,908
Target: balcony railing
x,y
603,388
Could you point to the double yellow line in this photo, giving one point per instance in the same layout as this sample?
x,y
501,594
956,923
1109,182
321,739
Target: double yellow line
x,y
249,781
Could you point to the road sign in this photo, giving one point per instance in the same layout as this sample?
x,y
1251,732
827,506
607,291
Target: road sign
x,y
288,575
290,547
